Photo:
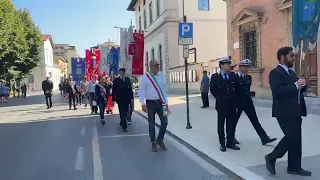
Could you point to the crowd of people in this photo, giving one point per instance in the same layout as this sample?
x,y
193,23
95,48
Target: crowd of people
x,y
16,90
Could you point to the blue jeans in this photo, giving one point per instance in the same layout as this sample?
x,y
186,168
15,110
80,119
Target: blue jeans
x,y
102,108
155,107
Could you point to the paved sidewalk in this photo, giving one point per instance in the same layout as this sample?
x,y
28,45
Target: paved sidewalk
x,y
250,159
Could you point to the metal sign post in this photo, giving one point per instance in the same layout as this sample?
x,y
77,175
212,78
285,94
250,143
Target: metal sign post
x,y
186,39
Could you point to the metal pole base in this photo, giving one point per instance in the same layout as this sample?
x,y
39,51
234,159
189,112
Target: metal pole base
x,y
189,126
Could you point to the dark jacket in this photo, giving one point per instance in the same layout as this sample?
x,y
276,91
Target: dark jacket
x,y
47,86
225,92
70,89
100,96
285,94
122,90
244,95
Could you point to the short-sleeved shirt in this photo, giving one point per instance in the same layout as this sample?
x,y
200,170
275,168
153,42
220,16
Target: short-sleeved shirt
x,y
205,83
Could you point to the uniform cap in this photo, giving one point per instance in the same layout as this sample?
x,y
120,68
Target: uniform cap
x,y
226,59
245,62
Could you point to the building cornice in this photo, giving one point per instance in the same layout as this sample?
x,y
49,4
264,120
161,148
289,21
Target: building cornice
x,y
283,4
246,15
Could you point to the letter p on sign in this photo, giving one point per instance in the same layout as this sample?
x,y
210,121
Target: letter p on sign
x,y
185,29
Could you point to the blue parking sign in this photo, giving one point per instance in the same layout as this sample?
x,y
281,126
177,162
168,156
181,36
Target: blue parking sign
x,y
185,30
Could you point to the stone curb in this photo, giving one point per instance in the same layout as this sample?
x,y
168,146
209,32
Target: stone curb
x,y
231,169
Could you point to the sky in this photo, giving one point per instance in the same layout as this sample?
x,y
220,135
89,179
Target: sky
x,y
82,23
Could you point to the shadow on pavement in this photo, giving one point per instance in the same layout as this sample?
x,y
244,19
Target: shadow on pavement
x,y
30,100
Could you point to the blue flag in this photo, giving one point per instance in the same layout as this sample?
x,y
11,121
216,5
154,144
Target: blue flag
x,y
305,17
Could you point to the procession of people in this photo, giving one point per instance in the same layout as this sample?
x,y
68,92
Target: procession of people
x,y
231,91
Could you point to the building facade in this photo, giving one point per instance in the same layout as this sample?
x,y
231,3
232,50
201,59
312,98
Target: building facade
x,y
256,30
46,66
66,52
63,66
159,20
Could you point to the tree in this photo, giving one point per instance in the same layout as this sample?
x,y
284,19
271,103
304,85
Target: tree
x,y
20,41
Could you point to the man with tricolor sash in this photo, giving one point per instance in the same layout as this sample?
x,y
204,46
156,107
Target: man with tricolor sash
x,y
153,98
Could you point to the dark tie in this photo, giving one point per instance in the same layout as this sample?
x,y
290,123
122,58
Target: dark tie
x,y
225,76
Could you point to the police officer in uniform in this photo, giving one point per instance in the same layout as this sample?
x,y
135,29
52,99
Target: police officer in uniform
x,y
245,102
223,86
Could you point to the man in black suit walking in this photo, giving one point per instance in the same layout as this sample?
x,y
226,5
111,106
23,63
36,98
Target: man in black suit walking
x,y
122,94
288,109
47,87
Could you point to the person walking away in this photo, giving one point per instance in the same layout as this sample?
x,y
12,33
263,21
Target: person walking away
x,y
109,106
61,89
7,92
131,107
91,91
122,94
2,91
71,93
153,98
288,109
25,89
47,87
78,94
102,94
14,89
223,87
84,94
204,89
245,103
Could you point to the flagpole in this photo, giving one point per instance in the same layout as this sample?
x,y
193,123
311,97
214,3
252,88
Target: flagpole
x,y
300,68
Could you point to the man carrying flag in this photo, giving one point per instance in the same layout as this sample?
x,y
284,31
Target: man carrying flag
x,y
153,97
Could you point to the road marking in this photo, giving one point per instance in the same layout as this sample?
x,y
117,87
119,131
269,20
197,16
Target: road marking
x,y
83,130
97,166
79,159
126,135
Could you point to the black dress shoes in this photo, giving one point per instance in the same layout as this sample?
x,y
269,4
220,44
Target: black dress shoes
x,y
233,146
269,140
236,141
300,172
270,164
223,148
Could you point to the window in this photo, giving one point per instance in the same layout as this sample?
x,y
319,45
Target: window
x,y
147,61
158,8
145,19
248,44
150,13
160,57
203,5
152,54
144,2
139,8
140,26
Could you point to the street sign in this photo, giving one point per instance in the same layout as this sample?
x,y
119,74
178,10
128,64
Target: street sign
x,y
186,51
185,33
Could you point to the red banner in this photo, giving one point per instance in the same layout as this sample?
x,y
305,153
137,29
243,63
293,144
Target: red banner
x,y
137,59
132,49
92,65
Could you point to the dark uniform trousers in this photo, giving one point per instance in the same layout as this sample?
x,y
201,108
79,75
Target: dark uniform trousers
x,y
250,111
224,92
72,100
123,111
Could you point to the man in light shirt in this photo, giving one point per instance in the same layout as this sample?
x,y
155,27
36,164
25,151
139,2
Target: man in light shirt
x,y
151,104
91,91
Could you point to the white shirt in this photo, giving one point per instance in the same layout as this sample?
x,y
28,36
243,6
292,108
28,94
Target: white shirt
x,y
147,90
91,86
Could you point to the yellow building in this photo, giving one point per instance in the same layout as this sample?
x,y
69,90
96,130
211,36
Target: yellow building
x,y
63,66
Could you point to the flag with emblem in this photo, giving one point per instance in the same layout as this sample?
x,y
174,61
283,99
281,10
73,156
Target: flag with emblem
x,y
305,19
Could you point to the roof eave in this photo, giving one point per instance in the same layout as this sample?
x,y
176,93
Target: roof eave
x,y
131,5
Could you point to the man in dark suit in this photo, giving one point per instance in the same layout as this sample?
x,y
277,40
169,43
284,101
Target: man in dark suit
x,y
288,107
245,102
47,87
122,94
223,87
71,93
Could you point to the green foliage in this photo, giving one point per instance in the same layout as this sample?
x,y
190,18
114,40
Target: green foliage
x,y
20,41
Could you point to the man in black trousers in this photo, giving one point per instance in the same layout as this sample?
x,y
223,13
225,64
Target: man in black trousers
x,y
205,83
245,102
47,87
223,87
288,107
122,94
71,93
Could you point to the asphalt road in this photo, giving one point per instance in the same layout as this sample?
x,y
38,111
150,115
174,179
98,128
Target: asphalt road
x,y
38,144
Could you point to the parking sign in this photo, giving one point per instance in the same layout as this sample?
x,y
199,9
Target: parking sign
x,y
185,33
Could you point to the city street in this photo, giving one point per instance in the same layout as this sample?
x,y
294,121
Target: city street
x,y
63,144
